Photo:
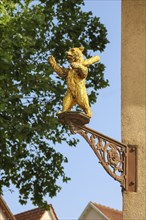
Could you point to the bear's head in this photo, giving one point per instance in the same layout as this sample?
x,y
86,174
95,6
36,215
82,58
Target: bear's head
x,y
75,54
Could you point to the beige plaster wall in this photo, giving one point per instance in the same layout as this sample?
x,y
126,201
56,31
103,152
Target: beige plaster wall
x,y
134,99
48,215
92,214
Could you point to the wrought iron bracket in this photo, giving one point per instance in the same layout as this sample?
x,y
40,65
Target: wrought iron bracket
x,y
118,159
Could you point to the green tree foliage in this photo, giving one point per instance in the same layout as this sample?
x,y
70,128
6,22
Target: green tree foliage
x,y
31,94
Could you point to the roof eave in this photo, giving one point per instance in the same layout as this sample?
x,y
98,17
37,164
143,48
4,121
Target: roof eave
x,y
7,212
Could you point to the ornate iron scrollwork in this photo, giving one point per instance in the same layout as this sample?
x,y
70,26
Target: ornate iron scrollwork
x,y
111,153
118,159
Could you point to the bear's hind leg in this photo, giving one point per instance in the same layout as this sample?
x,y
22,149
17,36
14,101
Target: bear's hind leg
x,y
84,104
68,102
86,108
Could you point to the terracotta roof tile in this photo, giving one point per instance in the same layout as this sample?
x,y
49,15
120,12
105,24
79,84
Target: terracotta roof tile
x,y
34,214
112,214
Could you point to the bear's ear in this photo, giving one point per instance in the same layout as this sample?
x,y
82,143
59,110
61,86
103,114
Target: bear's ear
x,y
81,48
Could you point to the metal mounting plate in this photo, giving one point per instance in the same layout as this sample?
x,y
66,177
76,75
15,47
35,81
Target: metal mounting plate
x,y
131,172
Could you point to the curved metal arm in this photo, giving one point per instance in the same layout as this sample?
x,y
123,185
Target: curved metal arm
x,y
111,153
118,159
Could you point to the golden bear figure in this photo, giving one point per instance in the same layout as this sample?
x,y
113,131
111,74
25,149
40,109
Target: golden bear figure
x,y
76,76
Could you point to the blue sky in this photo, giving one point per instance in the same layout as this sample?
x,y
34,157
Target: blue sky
x,y
89,181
